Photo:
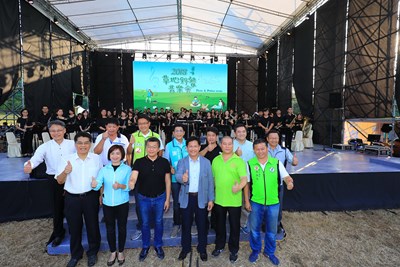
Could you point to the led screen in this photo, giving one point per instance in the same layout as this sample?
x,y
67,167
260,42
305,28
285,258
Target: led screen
x,y
174,85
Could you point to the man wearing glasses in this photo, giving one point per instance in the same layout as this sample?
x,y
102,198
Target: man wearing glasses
x,y
52,152
110,137
77,172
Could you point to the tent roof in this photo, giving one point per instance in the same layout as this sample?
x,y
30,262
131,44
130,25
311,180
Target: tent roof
x,y
227,25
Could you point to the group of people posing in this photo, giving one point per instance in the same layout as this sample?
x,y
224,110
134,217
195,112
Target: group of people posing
x,y
236,177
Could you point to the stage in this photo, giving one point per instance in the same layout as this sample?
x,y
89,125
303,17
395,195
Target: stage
x,y
325,180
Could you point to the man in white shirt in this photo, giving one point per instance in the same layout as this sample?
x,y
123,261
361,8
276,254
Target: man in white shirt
x,y
110,137
80,200
52,152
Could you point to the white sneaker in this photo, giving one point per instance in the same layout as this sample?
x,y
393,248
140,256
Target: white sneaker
x,y
194,230
136,235
175,231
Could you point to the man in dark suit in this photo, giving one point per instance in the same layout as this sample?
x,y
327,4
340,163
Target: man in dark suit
x,y
196,196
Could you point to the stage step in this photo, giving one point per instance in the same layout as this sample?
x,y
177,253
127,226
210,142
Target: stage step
x,y
63,248
388,161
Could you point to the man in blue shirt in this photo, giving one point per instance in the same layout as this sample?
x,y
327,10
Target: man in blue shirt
x,y
174,151
285,156
244,149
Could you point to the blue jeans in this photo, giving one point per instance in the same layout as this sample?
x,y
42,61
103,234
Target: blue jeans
x,y
270,214
152,208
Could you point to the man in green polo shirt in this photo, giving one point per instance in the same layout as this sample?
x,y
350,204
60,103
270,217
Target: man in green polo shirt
x,y
230,175
266,174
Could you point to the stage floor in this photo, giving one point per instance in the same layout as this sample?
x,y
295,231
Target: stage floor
x,y
330,160
314,160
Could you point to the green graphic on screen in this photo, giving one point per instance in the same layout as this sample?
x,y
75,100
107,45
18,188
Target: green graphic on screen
x,y
174,85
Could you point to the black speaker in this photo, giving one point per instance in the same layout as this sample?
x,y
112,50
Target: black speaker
x,y
335,100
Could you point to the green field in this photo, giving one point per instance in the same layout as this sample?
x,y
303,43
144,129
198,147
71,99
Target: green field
x,y
177,100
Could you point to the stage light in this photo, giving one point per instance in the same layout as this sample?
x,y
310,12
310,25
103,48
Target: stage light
x,y
55,20
289,33
211,60
307,17
248,60
215,59
181,55
133,55
30,2
238,61
106,55
168,56
155,56
77,29
144,56
273,39
191,57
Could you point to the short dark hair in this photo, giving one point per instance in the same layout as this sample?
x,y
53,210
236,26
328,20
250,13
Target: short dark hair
x,y
143,116
238,126
82,134
116,147
112,121
178,125
213,130
271,132
56,122
153,139
259,141
193,139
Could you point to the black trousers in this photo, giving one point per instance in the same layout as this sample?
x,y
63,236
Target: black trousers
x,y
58,208
177,214
136,195
234,226
119,213
26,143
288,138
201,216
76,209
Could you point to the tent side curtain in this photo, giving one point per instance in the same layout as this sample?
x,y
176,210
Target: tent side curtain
x,y
303,65
285,78
9,48
272,77
329,67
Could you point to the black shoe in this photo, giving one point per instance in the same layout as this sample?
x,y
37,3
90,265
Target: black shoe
x,y
160,252
216,252
91,261
56,242
111,263
203,256
72,262
143,254
182,255
120,262
233,257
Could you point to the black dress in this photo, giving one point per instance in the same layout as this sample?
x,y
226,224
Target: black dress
x,y
26,137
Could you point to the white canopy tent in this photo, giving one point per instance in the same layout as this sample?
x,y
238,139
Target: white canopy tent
x,y
212,27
